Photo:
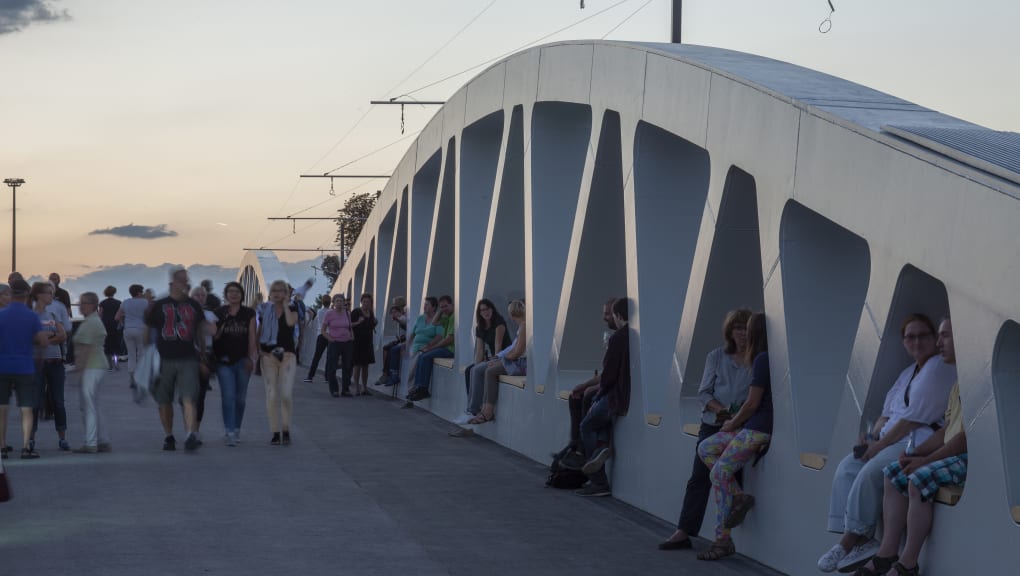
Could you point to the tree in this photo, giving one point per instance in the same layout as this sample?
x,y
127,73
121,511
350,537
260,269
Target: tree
x,y
351,219
331,269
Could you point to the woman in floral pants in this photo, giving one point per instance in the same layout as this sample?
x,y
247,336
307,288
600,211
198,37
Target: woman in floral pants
x,y
738,442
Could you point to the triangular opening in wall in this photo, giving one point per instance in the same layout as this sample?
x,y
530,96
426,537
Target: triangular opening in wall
x,y
504,269
560,145
442,258
397,285
825,270
424,190
370,269
916,292
600,271
733,277
1006,385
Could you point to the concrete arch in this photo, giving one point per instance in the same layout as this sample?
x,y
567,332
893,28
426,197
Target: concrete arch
x,y
843,187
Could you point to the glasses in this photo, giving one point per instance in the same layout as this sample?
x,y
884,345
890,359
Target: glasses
x,y
917,337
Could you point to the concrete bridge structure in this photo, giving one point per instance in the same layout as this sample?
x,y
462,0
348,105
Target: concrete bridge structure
x,y
695,180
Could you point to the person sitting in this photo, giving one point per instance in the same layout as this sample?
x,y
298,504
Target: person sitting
x,y
398,314
490,336
511,361
441,348
913,409
611,400
739,440
581,397
424,332
723,390
912,481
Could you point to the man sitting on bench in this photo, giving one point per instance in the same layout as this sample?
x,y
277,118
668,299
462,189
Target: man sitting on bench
x,y
611,400
912,482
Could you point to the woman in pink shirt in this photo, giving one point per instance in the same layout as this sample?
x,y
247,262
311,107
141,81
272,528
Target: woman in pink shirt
x,y
336,327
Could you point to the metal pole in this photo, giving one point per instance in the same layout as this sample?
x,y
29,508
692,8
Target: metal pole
x,y
14,183
14,228
677,17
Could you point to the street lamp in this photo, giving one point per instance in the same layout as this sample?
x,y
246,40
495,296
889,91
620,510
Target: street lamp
x,y
14,183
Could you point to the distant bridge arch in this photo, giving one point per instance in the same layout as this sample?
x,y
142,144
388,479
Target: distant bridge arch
x,y
694,180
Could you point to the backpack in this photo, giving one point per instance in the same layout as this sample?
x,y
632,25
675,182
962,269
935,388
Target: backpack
x,y
564,478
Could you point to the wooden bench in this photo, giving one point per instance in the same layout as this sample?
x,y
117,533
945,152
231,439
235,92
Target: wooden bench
x,y
812,460
692,429
564,394
518,381
1016,514
653,419
949,495
444,362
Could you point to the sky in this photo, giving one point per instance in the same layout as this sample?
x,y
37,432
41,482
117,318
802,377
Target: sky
x,y
153,131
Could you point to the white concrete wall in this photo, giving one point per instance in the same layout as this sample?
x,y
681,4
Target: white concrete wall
x,y
846,214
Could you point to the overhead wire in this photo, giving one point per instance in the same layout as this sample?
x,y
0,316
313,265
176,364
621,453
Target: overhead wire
x,y
515,50
376,151
333,198
443,47
624,21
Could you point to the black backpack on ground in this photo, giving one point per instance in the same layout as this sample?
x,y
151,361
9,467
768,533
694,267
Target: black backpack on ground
x,y
564,478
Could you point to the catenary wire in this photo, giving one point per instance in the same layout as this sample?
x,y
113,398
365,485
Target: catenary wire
x,y
624,20
515,50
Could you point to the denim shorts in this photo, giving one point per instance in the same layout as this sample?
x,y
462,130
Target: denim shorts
x,y
21,384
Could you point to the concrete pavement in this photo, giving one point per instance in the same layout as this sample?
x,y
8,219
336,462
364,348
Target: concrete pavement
x,y
365,488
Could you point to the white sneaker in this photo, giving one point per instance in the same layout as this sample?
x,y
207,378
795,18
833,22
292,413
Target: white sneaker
x,y
830,560
463,419
858,555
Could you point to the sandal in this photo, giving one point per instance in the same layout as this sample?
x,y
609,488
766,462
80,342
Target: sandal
x,y
882,565
718,550
481,418
742,504
899,568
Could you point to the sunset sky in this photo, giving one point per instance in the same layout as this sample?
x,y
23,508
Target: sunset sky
x,y
153,131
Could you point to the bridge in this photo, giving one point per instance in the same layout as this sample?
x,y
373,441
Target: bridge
x,y
694,180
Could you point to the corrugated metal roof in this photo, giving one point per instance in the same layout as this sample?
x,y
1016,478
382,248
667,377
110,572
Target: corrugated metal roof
x,y
994,152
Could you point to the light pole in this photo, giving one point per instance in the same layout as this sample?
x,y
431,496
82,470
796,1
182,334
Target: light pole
x,y
14,183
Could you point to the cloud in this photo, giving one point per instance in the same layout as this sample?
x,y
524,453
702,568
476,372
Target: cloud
x,y
17,14
134,231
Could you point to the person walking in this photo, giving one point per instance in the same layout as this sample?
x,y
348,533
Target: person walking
x,y
178,322
278,359
49,364
20,330
89,340
236,349
131,315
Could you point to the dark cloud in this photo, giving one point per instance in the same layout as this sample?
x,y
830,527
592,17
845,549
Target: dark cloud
x,y
17,14
135,231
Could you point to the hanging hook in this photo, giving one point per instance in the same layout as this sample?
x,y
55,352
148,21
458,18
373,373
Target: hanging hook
x,y
826,24
331,191
401,118
293,226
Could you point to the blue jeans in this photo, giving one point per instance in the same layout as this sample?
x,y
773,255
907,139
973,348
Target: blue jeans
x,y
49,381
233,392
423,371
393,360
596,429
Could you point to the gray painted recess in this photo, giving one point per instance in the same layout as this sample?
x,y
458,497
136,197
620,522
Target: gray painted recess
x,y
898,218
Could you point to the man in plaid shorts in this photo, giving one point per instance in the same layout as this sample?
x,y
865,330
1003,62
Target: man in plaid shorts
x,y
912,482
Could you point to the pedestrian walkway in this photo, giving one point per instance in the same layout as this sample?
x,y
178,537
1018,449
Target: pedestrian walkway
x,y
365,488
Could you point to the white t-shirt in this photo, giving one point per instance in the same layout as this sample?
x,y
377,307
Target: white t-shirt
x,y
929,396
